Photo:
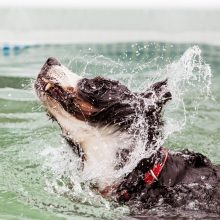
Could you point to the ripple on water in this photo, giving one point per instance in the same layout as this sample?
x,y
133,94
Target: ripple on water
x,y
38,172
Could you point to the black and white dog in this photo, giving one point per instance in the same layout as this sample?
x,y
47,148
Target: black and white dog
x,y
98,118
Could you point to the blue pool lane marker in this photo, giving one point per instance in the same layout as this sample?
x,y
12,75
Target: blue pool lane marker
x,y
7,48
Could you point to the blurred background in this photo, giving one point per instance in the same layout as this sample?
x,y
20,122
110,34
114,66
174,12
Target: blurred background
x,y
109,21
137,42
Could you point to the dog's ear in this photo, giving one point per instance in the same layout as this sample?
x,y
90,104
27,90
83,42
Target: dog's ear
x,y
158,92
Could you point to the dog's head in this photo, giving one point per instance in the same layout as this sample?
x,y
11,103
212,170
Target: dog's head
x,y
98,102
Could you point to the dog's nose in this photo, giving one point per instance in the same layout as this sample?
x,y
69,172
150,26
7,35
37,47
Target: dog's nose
x,y
52,61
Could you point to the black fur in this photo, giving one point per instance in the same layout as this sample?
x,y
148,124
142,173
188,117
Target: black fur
x,y
186,176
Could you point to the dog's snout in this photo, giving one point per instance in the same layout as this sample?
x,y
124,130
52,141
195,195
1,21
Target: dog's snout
x,y
52,61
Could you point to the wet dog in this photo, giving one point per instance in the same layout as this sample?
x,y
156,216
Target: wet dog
x,y
99,119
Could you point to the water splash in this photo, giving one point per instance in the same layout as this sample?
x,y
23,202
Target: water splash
x,y
187,76
191,77
68,183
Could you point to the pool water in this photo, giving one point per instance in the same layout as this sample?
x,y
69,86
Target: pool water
x,y
35,167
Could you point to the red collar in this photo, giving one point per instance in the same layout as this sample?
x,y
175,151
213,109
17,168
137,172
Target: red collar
x,y
152,175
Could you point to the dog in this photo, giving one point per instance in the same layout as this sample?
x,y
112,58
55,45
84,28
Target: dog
x,y
100,120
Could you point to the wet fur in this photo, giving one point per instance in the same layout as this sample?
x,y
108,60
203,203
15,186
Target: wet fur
x,y
103,103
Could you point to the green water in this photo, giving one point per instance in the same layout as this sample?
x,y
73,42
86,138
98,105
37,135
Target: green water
x,y
31,190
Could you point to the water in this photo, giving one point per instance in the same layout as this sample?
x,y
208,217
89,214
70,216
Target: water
x,y
38,179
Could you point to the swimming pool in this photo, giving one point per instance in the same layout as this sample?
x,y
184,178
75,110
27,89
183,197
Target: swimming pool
x,y
33,157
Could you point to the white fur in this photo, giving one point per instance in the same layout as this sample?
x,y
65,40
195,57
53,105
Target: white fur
x,y
99,144
64,76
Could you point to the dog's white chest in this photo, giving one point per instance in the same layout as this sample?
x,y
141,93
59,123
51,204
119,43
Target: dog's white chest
x,y
100,146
